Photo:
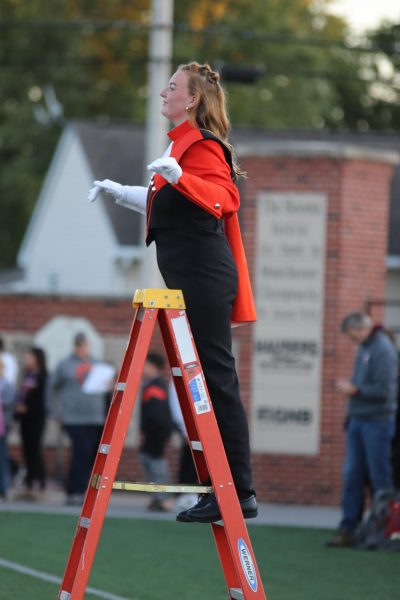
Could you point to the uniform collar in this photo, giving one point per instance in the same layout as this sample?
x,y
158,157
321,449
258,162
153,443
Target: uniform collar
x,y
180,130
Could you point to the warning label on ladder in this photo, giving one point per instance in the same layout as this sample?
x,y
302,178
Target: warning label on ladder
x,y
199,395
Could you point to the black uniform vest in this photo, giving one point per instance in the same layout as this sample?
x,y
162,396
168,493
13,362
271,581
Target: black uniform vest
x,y
171,209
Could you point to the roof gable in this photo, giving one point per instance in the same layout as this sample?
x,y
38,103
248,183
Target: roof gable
x,y
115,151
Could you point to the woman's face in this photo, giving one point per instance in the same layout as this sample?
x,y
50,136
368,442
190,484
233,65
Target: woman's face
x,y
30,361
176,98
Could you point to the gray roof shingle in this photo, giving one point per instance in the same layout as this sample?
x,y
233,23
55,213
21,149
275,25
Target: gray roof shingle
x,y
115,151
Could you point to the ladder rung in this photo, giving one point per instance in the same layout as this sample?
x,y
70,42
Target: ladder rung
x,y
236,593
96,479
197,446
161,487
104,448
120,387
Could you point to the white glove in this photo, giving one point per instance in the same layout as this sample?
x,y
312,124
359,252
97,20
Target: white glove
x,y
167,167
111,187
133,197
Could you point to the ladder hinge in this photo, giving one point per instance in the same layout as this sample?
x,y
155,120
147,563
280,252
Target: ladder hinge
x,y
84,522
104,448
96,479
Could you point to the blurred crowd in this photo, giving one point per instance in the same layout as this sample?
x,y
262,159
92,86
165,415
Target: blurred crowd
x,y
77,396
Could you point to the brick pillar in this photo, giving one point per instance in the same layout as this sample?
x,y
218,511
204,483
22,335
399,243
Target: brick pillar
x,y
357,191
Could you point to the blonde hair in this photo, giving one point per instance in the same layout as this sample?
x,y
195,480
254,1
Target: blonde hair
x,y
210,110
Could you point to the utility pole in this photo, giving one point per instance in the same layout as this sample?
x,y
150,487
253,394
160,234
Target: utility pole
x,y
159,73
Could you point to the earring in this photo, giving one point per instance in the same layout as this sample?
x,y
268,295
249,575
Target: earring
x,y
187,108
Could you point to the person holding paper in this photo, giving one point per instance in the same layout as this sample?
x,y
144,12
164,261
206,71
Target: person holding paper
x,y
191,211
81,415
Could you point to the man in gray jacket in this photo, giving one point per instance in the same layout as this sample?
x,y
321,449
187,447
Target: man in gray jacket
x,y
82,416
370,425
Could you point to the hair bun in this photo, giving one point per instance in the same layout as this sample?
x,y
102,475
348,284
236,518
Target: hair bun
x,y
208,73
213,76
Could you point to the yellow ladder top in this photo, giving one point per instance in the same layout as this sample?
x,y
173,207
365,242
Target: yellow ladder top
x,y
159,298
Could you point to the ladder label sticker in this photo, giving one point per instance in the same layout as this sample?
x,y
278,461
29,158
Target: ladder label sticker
x,y
183,339
199,395
247,564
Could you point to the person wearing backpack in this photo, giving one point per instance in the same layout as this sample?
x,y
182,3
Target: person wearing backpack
x,y
370,422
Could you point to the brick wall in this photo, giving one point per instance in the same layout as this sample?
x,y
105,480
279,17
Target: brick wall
x,y
358,201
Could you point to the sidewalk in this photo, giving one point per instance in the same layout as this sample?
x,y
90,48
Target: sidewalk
x,y
133,505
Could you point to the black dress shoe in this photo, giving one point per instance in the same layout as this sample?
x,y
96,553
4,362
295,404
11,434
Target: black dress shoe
x,y
207,510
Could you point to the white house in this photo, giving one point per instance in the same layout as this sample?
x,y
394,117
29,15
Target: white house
x,y
72,246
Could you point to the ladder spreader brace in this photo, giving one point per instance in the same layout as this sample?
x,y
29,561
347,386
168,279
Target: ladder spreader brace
x,y
238,562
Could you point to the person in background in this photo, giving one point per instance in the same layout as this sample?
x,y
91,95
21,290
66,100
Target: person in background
x,y
31,411
10,365
6,401
396,441
156,427
80,414
370,423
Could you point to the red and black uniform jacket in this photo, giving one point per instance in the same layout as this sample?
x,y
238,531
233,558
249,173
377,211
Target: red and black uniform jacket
x,y
155,417
206,182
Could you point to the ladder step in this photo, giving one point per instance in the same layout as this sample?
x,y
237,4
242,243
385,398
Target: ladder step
x,y
161,487
236,593
197,446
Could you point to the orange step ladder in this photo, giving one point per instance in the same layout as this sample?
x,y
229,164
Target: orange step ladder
x,y
232,540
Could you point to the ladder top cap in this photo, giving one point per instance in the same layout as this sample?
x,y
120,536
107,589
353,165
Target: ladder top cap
x,y
159,298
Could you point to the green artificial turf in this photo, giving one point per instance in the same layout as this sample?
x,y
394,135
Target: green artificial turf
x,y
151,560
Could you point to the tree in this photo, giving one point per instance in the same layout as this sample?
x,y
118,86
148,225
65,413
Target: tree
x,y
383,103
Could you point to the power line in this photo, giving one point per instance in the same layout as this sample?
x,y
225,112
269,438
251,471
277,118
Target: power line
x,y
88,26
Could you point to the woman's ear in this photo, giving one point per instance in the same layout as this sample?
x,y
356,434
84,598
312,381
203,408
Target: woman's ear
x,y
192,102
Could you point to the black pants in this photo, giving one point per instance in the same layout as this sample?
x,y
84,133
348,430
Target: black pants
x,y
32,430
85,441
200,263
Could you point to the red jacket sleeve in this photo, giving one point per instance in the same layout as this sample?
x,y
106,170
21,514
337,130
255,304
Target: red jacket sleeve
x,y
206,179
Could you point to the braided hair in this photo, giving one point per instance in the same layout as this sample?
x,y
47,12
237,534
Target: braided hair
x,y
210,111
